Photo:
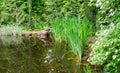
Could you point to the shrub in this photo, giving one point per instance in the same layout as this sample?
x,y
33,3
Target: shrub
x,y
106,49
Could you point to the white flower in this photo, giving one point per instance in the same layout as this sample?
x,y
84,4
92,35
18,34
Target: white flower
x,y
107,2
111,10
114,56
116,51
111,24
101,7
112,13
98,0
98,3
105,32
107,53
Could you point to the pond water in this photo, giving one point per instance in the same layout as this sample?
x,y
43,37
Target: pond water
x,y
30,55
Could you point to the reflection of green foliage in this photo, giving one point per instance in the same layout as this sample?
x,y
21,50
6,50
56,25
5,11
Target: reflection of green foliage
x,y
9,40
87,69
16,57
32,55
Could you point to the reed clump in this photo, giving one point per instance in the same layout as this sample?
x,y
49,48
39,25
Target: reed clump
x,y
74,31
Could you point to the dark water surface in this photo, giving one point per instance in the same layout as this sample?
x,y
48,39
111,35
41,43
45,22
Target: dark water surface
x,y
30,55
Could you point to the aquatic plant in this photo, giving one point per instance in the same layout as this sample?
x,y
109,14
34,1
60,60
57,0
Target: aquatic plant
x,y
77,36
10,30
73,31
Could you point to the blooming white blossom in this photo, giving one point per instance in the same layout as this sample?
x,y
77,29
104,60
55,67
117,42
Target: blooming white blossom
x,y
112,13
114,56
111,24
116,51
101,7
107,2
111,10
98,3
107,53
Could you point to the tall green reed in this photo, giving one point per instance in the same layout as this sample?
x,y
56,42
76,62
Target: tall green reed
x,y
73,31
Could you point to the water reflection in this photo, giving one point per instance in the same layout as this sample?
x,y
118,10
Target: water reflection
x,y
7,40
30,55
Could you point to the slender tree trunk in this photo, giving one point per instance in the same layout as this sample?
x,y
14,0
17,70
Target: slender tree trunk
x,y
16,9
30,14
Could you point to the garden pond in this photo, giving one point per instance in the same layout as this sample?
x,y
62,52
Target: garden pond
x,y
30,55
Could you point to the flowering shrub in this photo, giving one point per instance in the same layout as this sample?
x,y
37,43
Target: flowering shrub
x,y
106,49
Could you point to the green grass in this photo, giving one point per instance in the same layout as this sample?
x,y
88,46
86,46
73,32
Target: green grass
x,y
73,31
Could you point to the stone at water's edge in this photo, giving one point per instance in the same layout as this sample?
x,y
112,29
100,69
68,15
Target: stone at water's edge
x,y
46,35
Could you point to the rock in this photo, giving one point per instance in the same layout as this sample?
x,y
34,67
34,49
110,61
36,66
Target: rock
x,y
85,58
46,36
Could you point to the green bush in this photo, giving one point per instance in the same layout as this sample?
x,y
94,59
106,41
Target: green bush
x,y
106,49
106,10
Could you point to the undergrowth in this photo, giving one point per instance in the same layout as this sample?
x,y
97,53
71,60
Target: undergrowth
x,y
106,50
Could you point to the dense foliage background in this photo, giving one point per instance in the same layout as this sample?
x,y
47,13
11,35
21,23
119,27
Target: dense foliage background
x,y
16,12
